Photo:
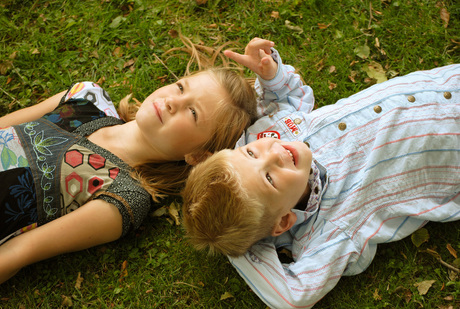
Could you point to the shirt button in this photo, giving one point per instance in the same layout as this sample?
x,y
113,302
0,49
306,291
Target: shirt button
x,y
377,109
342,126
411,98
447,95
297,121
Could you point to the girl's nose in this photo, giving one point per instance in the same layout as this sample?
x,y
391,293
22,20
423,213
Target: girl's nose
x,y
173,104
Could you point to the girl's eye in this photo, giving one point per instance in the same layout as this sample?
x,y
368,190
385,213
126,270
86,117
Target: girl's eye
x,y
181,88
269,178
193,113
250,153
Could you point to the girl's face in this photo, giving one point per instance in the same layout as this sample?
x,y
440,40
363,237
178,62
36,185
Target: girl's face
x,y
274,172
178,119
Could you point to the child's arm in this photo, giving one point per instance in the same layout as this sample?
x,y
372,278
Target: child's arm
x,y
95,223
278,86
32,112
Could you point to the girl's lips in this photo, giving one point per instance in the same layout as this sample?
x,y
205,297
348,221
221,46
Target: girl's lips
x,y
158,111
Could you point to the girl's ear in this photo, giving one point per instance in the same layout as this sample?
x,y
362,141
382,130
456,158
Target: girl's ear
x,y
285,224
196,157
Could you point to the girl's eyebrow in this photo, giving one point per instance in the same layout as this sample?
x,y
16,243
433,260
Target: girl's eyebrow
x,y
196,104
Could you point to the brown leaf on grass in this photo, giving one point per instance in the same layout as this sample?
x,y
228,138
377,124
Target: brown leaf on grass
x,y
332,85
174,212
323,26
5,66
376,295
129,63
124,270
332,69
13,55
200,2
353,75
424,286
445,16
35,51
66,301
275,14
117,52
173,33
451,250
78,281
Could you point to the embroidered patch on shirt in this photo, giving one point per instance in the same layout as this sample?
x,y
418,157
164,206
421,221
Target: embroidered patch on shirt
x,y
291,125
273,134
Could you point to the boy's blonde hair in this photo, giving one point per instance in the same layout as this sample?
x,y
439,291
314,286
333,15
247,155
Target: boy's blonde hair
x,y
232,117
218,214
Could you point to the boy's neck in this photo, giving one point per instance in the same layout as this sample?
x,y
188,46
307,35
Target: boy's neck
x,y
302,204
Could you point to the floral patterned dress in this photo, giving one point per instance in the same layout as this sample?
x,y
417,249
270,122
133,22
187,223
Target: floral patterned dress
x,y
49,168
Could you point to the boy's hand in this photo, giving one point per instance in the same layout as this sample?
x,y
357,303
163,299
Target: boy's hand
x,y
257,58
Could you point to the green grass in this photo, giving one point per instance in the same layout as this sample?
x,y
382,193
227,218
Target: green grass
x,y
47,45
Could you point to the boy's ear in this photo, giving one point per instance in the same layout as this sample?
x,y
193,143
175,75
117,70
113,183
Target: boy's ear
x,y
285,224
196,157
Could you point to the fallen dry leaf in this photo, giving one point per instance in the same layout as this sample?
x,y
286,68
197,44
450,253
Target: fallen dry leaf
x,y
445,16
362,52
375,70
174,212
66,301
292,27
78,281
332,69
424,286
376,295
226,295
117,52
124,270
420,236
275,14
332,85
452,250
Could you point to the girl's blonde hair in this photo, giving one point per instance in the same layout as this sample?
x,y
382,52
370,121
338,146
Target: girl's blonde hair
x,y
218,214
231,119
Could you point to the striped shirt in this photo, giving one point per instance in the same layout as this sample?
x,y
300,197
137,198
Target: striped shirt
x,y
389,158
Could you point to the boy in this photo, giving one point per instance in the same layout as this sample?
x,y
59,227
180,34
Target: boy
x,y
369,169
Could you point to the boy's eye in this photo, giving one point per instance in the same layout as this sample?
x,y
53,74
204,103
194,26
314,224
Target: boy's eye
x,y
193,113
269,178
250,153
181,88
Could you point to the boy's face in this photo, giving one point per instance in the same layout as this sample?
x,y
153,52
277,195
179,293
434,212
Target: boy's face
x,y
274,172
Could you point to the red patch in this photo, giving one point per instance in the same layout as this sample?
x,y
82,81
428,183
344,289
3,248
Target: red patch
x,y
273,134
291,125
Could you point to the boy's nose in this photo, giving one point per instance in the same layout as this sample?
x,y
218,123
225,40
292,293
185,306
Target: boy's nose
x,y
275,157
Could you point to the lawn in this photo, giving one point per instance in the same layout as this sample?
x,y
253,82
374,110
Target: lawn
x,y
339,47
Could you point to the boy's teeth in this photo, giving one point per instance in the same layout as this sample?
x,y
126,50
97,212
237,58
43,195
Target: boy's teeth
x,y
290,153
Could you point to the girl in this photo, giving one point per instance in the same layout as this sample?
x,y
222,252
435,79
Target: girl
x,y
72,150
